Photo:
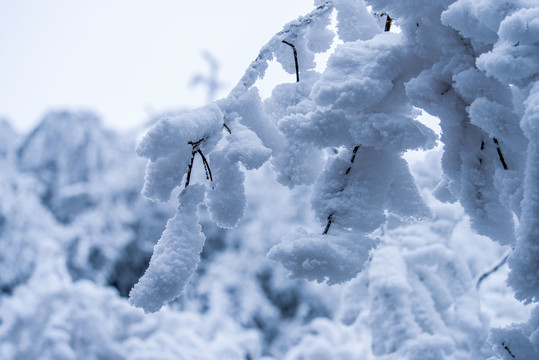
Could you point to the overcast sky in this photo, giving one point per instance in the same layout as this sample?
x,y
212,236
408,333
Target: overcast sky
x,y
126,59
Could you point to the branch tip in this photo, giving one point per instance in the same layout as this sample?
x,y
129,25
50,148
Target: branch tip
x,y
295,58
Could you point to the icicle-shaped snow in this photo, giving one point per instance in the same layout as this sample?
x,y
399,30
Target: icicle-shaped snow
x,y
175,256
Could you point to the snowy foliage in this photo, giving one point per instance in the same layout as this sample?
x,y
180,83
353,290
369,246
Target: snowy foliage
x,y
319,181
343,132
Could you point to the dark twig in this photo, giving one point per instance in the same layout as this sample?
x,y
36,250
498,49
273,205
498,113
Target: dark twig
x,y
500,155
352,159
482,148
354,152
491,271
507,349
206,166
190,167
388,23
227,128
295,58
330,220
196,150
196,143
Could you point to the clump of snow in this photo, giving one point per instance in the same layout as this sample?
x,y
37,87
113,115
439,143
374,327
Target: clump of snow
x,y
169,146
175,256
335,258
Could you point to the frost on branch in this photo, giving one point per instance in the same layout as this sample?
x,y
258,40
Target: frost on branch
x,y
167,146
251,137
335,258
524,261
354,106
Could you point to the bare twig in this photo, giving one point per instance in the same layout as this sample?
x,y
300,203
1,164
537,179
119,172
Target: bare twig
x,y
196,150
388,23
482,148
500,155
493,270
189,168
330,220
227,128
352,159
508,350
206,166
499,150
295,58
354,152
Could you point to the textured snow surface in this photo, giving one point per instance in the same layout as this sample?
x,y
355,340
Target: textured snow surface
x,y
322,257
175,256
168,147
406,236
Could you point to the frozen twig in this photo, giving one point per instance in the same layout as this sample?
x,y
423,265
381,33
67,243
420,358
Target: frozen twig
x,y
206,166
196,150
388,23
493,270
295,58
352,159
290,31
354,152
500,155
189,168
508,350
330,220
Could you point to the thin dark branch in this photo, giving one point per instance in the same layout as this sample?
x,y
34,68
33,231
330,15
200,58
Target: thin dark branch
x,y
388,23
500,155
352,159
190,168
291,30
330,220
354,152
491,271
295,58
195,144
196,150
206,166
508,350
227,128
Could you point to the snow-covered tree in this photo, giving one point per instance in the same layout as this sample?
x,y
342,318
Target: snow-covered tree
x,y
333,219
341,133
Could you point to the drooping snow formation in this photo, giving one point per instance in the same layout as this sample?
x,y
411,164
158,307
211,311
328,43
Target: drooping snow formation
x,y
175,256
342,133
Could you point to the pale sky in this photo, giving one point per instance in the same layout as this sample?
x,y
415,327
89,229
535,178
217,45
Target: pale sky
x,y
126,59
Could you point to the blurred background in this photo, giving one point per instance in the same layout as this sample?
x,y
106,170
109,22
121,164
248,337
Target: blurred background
x,y
127,60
